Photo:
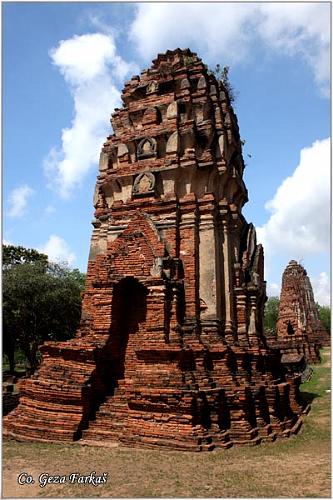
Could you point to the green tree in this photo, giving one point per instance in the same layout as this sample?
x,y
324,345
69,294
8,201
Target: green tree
x,y
271,313
325,316
13,255
41,301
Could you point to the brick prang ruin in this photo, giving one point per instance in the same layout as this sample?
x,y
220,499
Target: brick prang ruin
x,y
299,330
171,350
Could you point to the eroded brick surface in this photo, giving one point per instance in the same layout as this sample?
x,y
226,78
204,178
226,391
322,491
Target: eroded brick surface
x,y
299,329
171,350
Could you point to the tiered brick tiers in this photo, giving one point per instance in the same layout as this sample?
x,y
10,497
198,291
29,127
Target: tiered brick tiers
x,y
299,329
170,351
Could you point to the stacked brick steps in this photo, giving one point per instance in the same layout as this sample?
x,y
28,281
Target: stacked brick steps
x,y
115,421
110,418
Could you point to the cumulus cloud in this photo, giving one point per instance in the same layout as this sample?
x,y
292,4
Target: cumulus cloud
x,y
300,29
300,209
18,200
321,289
226,31
58,250
91,67
214,28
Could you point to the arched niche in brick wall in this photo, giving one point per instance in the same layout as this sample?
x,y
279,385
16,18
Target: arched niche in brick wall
x,y
144,184
137,250
152,115
290,329
147,148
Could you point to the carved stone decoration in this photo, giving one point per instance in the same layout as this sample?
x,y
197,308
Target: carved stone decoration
x,y
144,184
172,111
213,90
147,148
101,205
184,84
101,202
203,305
103,162
122,150
152,87
173,143
251,244
202,84
112,158
222,146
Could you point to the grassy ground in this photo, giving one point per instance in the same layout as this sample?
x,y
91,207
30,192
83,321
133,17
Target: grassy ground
x,y
295,467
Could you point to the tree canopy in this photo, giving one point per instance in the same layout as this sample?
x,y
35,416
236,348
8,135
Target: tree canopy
x,y
13,255
325,317
41,301
271,313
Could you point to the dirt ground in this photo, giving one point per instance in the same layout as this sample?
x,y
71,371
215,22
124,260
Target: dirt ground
x,y
297,467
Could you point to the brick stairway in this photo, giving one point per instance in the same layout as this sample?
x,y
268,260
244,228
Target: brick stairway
x,y
109,419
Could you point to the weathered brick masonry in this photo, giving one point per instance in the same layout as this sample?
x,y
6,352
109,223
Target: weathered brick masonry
x,y
171,350
299,329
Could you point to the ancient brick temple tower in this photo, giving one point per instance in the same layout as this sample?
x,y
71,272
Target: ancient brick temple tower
x,y
299,328
170,351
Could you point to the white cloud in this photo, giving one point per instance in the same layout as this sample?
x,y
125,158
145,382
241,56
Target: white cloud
x,y
58,250
82,58
18,200
90,66
321,289
224,31
214,28
50,209
273,290
300,29
300,209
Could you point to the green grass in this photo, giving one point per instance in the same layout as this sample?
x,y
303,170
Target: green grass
x,y
320,380
297,467
318,390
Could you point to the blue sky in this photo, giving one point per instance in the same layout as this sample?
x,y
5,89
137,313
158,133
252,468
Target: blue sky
x,y
64,65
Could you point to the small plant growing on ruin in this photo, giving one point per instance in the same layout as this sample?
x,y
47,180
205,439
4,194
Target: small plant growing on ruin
x,y
188,60
222,74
